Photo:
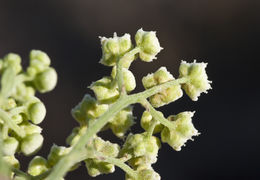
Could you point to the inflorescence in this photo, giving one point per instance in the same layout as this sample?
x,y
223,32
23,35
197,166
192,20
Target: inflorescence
x,y
111,107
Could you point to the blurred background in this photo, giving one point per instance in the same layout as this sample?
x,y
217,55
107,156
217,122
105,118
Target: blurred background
x,y
223,33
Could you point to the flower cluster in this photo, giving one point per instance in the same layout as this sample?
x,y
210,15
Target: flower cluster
x,y
110,106
139,150
20,110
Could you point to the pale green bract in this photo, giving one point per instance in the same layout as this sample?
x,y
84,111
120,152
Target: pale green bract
x,y
108,106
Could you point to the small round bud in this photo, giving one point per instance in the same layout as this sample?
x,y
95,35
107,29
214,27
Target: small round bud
x,y
56,153
103,90
148,43
12,161
166,96
31,144
46,80
18,118
183,131
37,166
13,60
10,146
128,77
37,112
122,122
114,47
73,134
41,56
198,79
146,122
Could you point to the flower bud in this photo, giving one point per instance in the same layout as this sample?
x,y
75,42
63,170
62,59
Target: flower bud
x,y
138,145
37,112
96,166
146,122
12,161
145,174
37,166
30,128
18,118
24,92
122,122
46,80
10,104
183,131
56,153
103,90
41,56
148,43
166,96
31,144
75,135
88,109
198,79
13,60
9,146
128,77
113,48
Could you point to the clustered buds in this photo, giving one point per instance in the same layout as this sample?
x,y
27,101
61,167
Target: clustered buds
x,y
103,149
19,104
21,112
139,150
165,96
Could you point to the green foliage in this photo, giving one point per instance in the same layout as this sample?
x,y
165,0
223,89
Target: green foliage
x,y
111,107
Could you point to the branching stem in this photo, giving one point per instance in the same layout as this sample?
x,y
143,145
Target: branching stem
x,y
70,159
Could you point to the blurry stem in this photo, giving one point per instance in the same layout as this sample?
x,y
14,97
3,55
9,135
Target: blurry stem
x,y
10,123
151,128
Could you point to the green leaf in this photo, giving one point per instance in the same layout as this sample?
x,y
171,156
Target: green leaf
x,y
7,82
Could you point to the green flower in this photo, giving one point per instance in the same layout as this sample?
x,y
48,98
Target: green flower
x,y
37,166
198,79
166,96
128,77
104,91
88,109
122,122
12,60
113,48
139,145
146,122
148,43
56,153
9,146
31,144
183,131
145,174
97,166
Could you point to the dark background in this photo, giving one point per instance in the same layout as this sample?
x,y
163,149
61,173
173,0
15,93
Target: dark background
x,y
223,33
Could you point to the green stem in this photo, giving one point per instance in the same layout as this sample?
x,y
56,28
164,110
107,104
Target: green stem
x,y
22,174
70,159
156,114
5,117
5,131
119,69
119,163
4,168
16,110
151,128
